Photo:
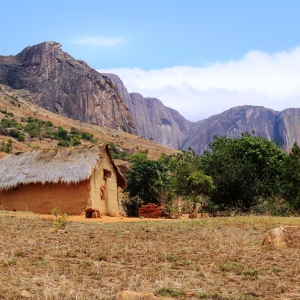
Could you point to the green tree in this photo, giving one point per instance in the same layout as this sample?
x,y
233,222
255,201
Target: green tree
x,y
244,170
136,157
291,177
187,178
146,180
198,183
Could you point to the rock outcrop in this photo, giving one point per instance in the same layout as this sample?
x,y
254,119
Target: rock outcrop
x,y
152,119
281,127
288,127
56,81
167,127
232,123
283,237
51,78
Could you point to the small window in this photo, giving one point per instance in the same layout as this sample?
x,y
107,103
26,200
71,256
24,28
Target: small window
x,y
106,174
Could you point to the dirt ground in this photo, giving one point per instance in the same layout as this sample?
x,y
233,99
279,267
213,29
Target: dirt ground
x,y
212,258
82,218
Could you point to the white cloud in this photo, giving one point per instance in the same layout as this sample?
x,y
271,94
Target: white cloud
x,y
98,41
259,78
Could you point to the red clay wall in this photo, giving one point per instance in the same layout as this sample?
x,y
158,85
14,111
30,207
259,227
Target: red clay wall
x,y
71,199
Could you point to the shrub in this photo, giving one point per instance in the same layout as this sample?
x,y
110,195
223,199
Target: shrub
x,y
10,114
87,136
33,129
19,126
17,135
63,143
75,142
60,218
49,133
48,124
6,147
62,133
74,130
7,123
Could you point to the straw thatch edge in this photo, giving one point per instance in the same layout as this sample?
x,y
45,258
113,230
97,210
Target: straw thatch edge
x,y
68,166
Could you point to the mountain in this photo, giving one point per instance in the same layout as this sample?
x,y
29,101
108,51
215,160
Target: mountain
x,y
56,81
232,123
288,127
282,127
17,110
167,127
44,75
152,119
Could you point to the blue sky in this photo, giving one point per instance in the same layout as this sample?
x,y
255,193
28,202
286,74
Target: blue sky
x,y
199,57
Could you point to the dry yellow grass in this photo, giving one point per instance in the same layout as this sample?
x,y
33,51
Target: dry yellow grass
x,y
217,258
125,140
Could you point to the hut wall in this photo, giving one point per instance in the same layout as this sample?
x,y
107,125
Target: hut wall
x,y
104,191
71,199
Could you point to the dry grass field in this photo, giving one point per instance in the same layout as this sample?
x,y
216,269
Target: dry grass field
x,y
102,134
214,258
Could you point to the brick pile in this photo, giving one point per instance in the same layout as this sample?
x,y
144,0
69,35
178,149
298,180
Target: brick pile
x,y
150,210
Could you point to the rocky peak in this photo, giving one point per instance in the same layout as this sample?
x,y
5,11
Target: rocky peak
x,y
56,81
39,54
283,127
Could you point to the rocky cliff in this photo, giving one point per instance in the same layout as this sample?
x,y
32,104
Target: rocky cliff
x,y
56,81
288,127
51,78
284,127
167,127
152,119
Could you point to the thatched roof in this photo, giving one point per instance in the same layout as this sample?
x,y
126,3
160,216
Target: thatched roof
x,y
71,165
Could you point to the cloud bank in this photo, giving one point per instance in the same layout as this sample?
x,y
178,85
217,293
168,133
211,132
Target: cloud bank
x,y
98,41
258,78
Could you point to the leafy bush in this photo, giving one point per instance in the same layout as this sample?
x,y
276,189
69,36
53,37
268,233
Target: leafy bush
x,y
48,124
147,179
63,143
17,135
75,141
19,126
87,136
243,170
6,147
63,134
49,133
60,218
74,131
33,129
7,123
291,178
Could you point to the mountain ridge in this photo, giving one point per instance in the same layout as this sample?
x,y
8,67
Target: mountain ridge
x,y
45,75
273,125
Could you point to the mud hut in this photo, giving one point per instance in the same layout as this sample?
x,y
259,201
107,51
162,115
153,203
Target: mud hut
x,y
73,180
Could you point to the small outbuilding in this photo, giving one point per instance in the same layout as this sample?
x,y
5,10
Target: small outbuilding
x,y
74,180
